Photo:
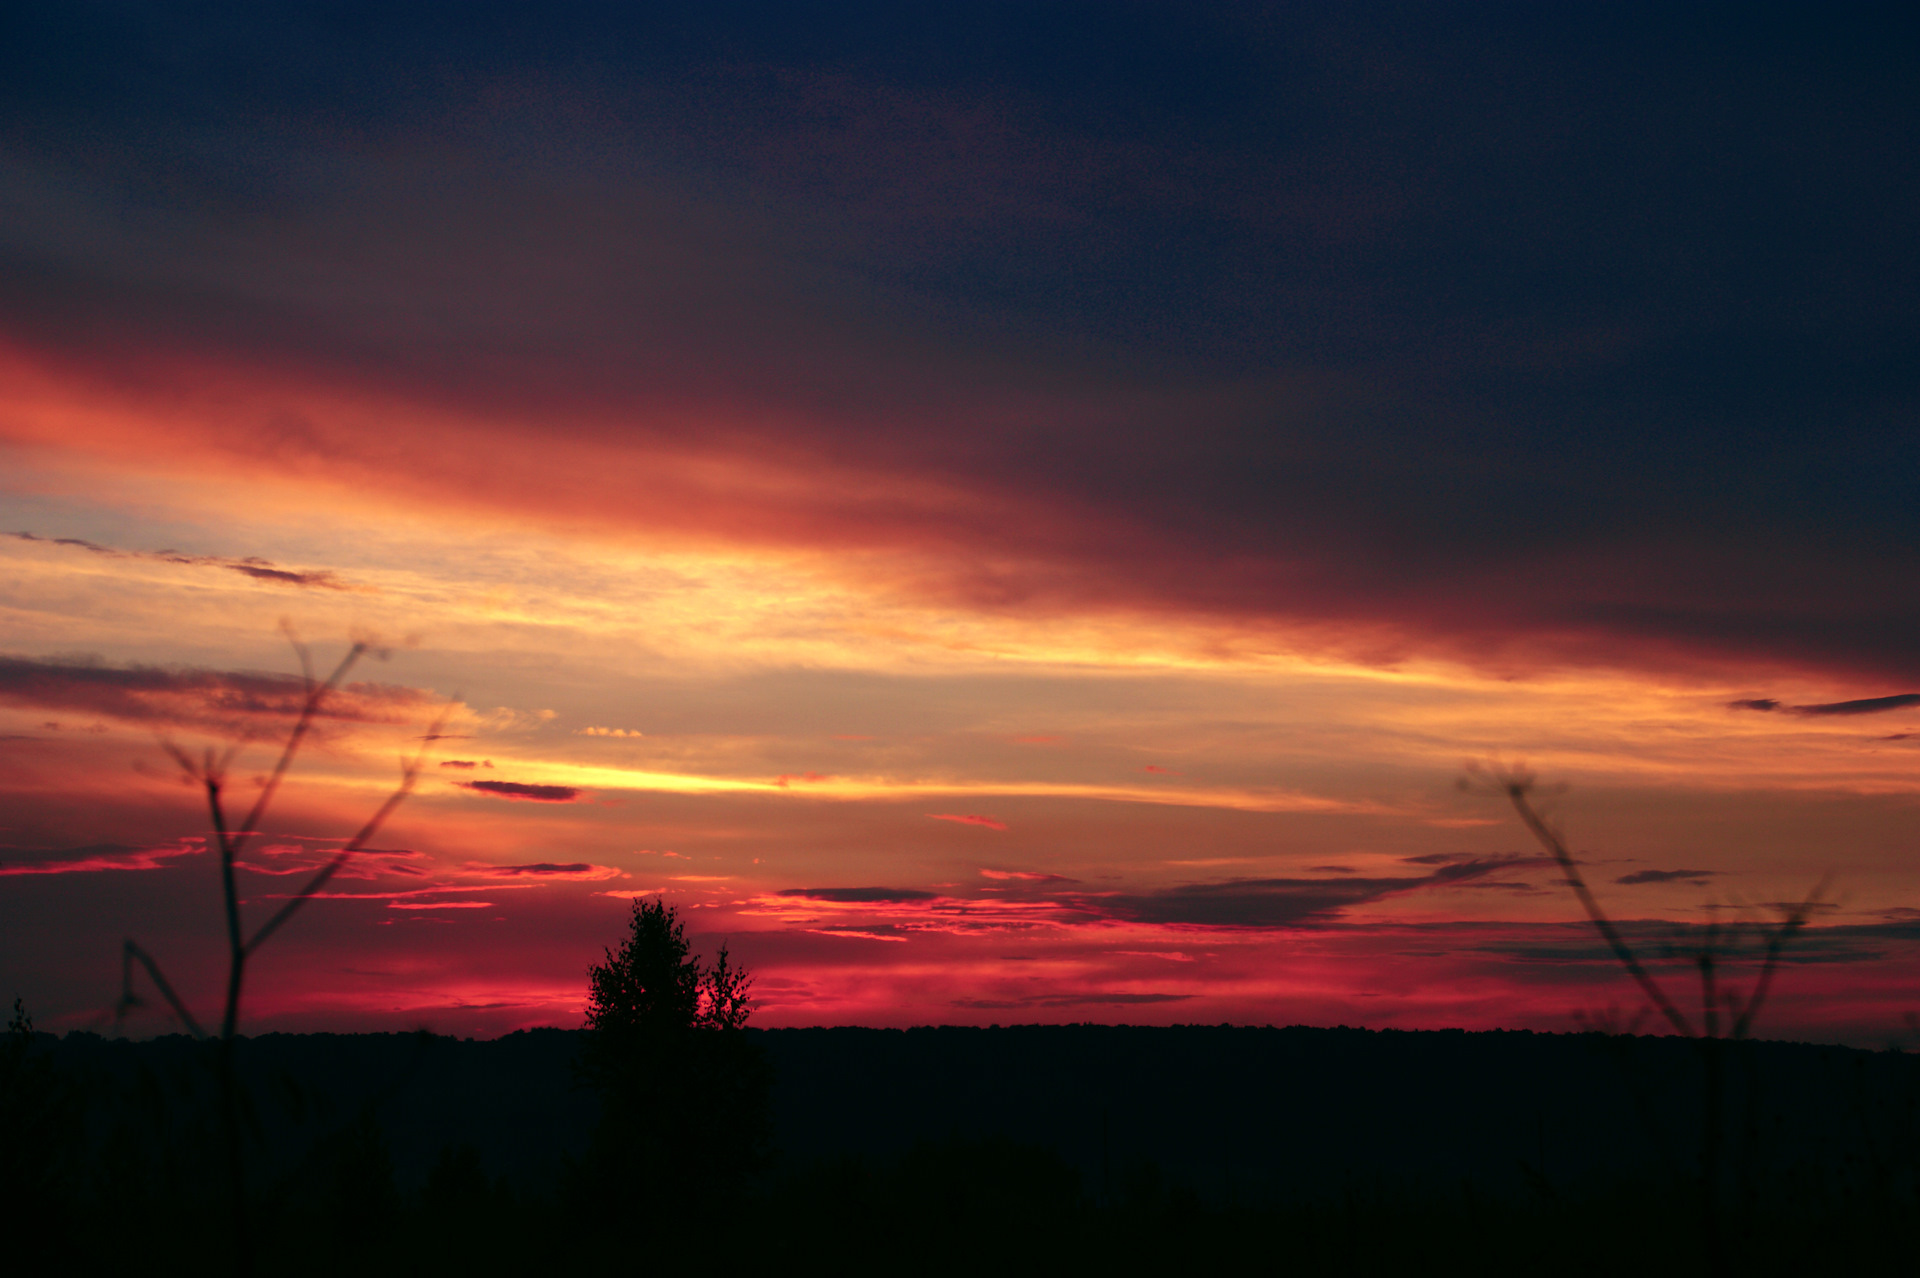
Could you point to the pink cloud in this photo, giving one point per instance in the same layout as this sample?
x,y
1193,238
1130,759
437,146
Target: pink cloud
x,y
100,856
439,905
579,870
986,821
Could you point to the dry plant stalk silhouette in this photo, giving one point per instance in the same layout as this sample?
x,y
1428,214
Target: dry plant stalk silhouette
x,y
209,772
1519,786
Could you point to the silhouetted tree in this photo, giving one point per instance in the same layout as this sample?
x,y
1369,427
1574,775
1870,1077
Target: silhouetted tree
x,y
684,1094
650,985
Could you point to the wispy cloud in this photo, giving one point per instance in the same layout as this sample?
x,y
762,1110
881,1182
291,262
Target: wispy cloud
x,y
1864,705
254,567
578,870
95,857
1861,705
1022,899
186,696
1666,876
859,895
1286,902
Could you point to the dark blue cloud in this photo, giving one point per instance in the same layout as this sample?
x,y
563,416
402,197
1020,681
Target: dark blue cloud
x,y
1864,705
523,790
1290,902
1528,332
1694,877
184,695
1860,705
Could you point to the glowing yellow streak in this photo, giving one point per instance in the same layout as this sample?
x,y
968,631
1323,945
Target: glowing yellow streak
x,y
882,788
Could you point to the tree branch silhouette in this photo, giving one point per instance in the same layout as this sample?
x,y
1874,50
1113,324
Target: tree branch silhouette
x,y
209,771
130,953
1518,786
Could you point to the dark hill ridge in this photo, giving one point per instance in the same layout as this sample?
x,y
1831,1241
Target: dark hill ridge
x,y
1236,1112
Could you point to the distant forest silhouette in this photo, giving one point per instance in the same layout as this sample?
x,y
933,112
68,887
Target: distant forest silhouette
x,y
1075,1148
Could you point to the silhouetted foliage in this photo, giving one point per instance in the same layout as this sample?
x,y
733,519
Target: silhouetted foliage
x,y
652,984
684,1095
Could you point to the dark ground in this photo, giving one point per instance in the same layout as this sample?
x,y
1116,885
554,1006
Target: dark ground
x,y
1297,1149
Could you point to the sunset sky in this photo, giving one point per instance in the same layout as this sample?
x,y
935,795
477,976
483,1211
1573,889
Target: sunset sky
x,y
1000,512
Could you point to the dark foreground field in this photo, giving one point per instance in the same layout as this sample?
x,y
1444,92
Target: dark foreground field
x,y
1068,1147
